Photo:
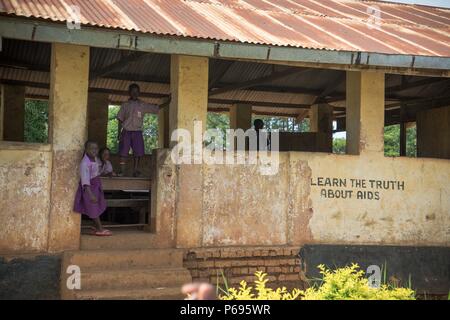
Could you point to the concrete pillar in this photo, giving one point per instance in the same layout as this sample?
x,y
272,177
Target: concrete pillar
x,y
321,122
69,77
365,112
98,105
189,89
163,127
241,116
13,113
433,133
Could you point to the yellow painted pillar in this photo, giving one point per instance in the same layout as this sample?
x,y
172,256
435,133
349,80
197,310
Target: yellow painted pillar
x,y
365,112
241,116
321,122
98,107
189,89
69,76
13,113
163,127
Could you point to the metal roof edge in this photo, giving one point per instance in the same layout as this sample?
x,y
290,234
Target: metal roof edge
x,y
37,30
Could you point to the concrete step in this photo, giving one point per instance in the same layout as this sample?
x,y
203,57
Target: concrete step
x,y
122,259
134,278
163,293
125,240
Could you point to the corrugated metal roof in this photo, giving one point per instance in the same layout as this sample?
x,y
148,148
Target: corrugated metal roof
x,y
317,24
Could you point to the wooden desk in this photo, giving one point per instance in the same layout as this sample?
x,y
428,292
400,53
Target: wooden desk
x,y
125,183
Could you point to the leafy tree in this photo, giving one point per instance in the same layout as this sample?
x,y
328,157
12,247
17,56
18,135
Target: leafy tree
x,y
36,121
111,135
411,142
339,145
392,141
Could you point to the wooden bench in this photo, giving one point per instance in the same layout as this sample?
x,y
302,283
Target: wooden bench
x,y
128,184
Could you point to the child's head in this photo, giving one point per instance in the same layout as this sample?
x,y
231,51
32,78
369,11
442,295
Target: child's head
x,y
134,91
91,148
104,154
258,124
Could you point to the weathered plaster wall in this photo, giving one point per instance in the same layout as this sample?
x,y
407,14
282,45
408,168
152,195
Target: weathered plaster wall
x,y
25,173
242,207
419,213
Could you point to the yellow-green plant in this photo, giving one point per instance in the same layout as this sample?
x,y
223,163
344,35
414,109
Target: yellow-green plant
x,y
261,292
349,283
346,283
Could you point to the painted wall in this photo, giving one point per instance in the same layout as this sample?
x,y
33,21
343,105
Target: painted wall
x,y
25,172
324,198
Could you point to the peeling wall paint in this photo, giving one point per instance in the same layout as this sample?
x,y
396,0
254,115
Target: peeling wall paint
x,y
241,207
24,199
418,214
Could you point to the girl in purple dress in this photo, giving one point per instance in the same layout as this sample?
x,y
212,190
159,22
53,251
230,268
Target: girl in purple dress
x,y
90,199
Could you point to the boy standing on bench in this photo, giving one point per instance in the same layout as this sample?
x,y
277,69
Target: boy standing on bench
x,y
131,117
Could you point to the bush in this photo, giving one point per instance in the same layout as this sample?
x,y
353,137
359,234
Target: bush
x,y
349,283
346,283
262,292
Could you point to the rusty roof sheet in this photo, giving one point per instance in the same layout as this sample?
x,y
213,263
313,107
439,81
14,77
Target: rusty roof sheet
x,y
348,25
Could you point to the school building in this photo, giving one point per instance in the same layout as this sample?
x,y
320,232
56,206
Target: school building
x,y
346,65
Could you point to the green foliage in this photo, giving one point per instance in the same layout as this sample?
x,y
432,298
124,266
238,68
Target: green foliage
x,y
261,291
150,132
111,136
219,121
339,145
36,121
411,142
392,141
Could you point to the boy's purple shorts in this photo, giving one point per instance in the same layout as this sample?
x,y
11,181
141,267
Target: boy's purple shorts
x,y
133,140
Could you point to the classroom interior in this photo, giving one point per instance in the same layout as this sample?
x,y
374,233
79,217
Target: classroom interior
x,y
239,90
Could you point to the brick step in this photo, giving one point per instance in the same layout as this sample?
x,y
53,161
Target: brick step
x,y
120,240
163,293
122,259
134,278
